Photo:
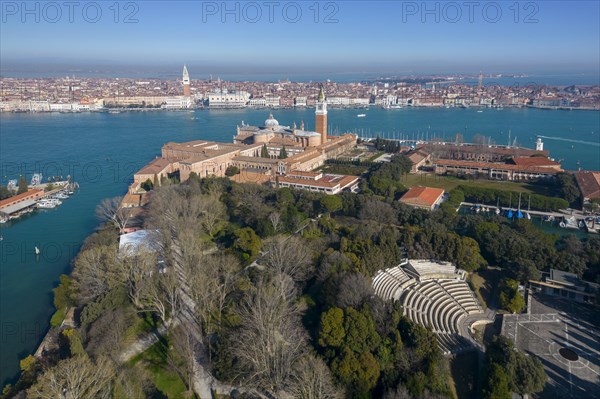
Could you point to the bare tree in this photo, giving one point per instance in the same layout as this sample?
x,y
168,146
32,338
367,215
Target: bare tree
x,y
313,380
75,378
352,289
161,294
211,278
182,354
213,212
134,382
270,339
98,270
138,268
399,393
275,219
289,256
112,210
378,211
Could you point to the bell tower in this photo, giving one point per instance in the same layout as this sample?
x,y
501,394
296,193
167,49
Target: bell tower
x,y
321,116
186,82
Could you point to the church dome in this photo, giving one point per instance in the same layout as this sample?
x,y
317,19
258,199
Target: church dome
x,y
271,122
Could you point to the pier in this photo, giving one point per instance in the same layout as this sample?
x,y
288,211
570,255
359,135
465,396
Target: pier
x,y
14,207
533,213
563,214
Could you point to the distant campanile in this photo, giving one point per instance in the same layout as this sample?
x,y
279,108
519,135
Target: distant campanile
x,y
321,116
186,82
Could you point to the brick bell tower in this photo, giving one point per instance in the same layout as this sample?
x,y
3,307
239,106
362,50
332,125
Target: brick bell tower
x,y
321,116
186,82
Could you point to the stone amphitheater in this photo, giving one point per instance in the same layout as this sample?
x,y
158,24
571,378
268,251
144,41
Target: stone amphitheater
x,y
435,295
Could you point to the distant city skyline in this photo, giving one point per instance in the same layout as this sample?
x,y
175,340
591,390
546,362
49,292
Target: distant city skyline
x,y
381,37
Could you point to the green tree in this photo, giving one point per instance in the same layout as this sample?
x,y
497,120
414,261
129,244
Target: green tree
x,y
232,171
361,335
331,203
358,371
28,364
530,376
331,331
22,185
4,192
497,384
510,298
155,183
246,242
283,153
264,152
147,185
64,294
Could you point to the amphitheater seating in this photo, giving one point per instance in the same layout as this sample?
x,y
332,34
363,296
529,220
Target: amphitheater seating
x,y
438,298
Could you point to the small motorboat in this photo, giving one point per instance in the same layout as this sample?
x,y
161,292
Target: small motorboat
x,y
37,251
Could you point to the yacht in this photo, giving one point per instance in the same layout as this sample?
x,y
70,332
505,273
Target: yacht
x,y
60,196
361,115
45,204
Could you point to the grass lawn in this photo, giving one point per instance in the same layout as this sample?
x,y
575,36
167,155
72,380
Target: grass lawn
x,y
154,359
343,169
448,183
58,317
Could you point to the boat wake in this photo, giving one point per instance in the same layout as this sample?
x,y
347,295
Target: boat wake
x,y
571,140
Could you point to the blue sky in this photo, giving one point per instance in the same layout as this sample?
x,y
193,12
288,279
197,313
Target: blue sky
x,y
360,36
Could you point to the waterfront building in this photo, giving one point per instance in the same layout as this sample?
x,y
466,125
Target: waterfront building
x,y
18,203
222,98
494,170
477,152
589,185
420,159
304,152
423,197
300,101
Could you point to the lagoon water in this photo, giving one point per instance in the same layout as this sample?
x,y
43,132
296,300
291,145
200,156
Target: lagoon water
x,y
102,151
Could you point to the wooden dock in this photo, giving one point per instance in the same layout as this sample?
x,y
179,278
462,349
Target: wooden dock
x,y
531,212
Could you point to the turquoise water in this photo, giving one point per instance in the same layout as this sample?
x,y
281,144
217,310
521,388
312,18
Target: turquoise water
x,y
102,151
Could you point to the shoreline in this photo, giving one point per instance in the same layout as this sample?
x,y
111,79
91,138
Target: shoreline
x,y
117,110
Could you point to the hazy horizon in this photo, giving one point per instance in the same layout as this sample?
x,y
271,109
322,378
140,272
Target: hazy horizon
x,y
298,38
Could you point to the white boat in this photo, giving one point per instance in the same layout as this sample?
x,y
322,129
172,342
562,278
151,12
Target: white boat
x,y
361,115
60,196
570,223
37,251
45,204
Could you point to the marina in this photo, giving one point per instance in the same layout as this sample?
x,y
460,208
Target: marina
x,y
566,219
39,196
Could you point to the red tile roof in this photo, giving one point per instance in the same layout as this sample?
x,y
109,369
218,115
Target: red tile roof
x,y
534,161
589,184
495,166
422,196
30,194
